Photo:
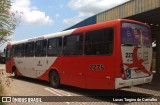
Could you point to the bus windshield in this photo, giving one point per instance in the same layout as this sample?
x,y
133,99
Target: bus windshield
x,y
135,34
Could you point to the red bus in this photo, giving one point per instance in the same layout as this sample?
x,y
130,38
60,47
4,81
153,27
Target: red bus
x,y
108,55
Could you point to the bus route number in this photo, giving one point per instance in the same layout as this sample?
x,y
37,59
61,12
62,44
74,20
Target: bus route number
x,y
129,55
96,67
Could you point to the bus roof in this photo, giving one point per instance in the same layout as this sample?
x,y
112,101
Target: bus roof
x,y
76,30
63,33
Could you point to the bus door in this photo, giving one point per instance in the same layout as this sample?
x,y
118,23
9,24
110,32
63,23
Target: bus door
x,y
8,60
72,72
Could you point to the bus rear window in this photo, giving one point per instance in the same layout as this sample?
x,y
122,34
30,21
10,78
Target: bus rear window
x,y
135,34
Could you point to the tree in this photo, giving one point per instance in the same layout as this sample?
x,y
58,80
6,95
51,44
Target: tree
x,y
8,21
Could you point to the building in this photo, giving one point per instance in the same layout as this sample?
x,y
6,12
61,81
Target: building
x,y
146,11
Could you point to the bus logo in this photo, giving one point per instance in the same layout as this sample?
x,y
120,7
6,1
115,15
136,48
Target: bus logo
x,y
137,62
39,63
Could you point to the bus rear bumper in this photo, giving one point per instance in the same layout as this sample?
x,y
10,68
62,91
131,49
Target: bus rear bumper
x,y
119,82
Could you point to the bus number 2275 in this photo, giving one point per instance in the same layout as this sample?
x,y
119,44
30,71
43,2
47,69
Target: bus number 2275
x,y
96,67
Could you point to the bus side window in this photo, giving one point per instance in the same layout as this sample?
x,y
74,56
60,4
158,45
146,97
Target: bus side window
x,y
8,54
18,50
99,42
40,48
29,49
54,47
14,48
73,44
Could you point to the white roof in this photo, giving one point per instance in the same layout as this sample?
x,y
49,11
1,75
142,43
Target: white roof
x,y
58,34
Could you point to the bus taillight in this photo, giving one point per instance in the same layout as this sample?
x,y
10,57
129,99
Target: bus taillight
x,y
122,71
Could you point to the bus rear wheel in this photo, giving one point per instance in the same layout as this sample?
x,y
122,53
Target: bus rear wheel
x,y
54,79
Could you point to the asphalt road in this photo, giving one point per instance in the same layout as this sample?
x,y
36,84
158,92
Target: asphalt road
x,y
67,94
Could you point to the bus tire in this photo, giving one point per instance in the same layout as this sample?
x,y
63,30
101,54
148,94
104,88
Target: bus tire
x,y
54,79
15,72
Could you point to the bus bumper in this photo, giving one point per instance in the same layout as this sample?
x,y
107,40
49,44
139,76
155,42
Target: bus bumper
x,y
119,82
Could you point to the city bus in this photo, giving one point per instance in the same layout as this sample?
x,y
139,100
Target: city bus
x,y
108,55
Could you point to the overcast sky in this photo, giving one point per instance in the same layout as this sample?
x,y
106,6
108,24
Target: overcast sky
x,y
40,17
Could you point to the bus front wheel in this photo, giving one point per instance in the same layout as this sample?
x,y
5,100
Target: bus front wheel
x,y
54,79
15,72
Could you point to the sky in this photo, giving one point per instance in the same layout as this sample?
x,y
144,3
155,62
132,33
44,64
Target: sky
x,y
41,17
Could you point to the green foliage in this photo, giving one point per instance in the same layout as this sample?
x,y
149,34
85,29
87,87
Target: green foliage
x,y
8,21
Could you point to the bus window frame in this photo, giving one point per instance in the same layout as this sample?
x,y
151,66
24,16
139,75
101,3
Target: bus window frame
x,y
35,49
8,58
17,51
32,49
55,38
113,40
82,44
